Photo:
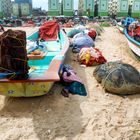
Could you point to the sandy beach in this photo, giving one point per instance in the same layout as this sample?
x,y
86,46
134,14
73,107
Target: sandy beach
x,y
99,116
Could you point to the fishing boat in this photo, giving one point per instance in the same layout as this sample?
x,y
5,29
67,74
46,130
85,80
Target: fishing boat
x,y
133,44
123,23
44,69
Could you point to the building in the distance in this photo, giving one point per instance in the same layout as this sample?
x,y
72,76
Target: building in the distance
x,y
5,8
81,7
68,7
23,1
22,7
15,9
1,12
103,7
123,8
53,7
89,7
136,8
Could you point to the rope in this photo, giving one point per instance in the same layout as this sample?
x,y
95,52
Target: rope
x,y
109,75
13,73
5,69
0,48
25,61
4,39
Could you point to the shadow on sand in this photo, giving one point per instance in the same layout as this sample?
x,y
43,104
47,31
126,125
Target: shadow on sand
x,y
53,116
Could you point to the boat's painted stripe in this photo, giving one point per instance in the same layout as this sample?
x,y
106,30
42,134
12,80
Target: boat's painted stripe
x,y
131,39
134,47
133,44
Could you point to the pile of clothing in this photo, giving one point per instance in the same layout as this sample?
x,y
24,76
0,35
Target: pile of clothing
x,y
82,42
73,84
91,56
81,37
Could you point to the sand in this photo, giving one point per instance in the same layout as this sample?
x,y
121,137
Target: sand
x,y
99,116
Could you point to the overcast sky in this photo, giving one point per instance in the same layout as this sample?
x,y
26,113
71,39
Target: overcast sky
x,y
44,4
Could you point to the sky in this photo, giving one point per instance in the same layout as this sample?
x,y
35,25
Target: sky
x,y
44,4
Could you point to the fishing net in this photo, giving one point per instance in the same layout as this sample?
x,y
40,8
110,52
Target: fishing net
x,y
13,55
96,27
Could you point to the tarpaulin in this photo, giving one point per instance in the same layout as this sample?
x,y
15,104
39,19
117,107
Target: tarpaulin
x,y
92,33
73,32
49,30
81,39
73,82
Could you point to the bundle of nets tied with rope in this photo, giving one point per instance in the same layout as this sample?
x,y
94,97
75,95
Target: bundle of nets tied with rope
x,y
13,55
96,27
118,78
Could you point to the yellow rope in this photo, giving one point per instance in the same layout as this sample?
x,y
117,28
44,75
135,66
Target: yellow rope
x,y
5,69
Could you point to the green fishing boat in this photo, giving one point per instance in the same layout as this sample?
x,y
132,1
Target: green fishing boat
x,y
44,68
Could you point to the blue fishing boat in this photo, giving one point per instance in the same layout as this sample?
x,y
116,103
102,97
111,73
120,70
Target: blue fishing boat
x,y
124,27
132,34
44,68
133,44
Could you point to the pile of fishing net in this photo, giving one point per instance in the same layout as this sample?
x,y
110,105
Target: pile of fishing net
x,y
118,78
91,56
13,57
96,27
73,84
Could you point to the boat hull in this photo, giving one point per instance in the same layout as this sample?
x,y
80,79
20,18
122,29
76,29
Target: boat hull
x,y
135,48
133,45
28,89
40,83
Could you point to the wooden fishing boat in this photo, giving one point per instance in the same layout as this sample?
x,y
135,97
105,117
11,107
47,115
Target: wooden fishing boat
x,y
43,70
133,44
